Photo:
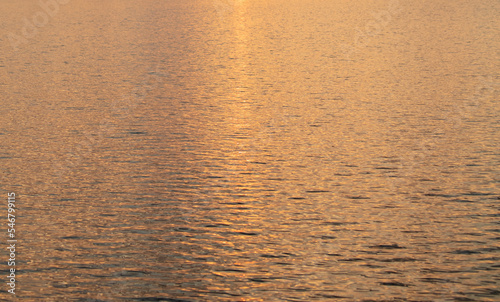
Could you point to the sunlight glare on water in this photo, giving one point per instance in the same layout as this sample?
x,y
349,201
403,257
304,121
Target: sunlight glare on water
x,y
238,150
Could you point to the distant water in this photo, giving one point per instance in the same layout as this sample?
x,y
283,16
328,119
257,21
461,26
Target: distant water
x,y
251,150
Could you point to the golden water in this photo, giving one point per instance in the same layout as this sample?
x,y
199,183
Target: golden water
x,y
251,150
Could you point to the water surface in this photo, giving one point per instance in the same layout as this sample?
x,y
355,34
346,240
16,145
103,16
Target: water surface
x,y
220,150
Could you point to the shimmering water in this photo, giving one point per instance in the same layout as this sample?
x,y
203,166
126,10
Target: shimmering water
x,y
251,150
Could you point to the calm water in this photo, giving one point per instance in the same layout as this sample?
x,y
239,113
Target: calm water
x,y
251,150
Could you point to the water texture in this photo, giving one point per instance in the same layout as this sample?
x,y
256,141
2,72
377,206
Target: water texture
x,y
252,150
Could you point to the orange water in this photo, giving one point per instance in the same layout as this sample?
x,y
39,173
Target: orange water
x,y
238,150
